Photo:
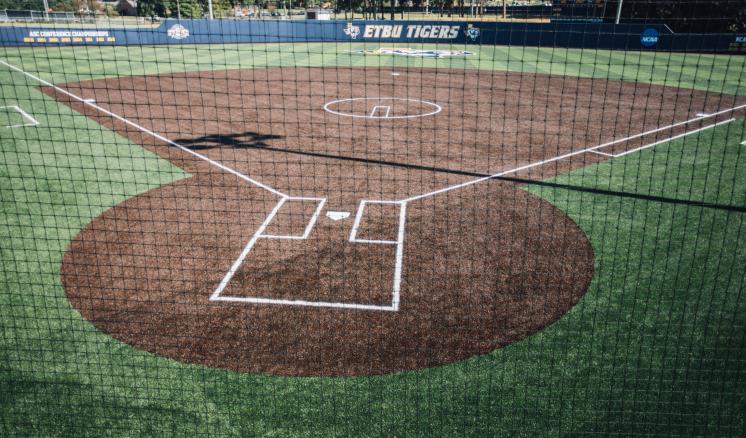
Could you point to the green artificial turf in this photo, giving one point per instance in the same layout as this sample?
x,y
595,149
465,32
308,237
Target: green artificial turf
x,y
656,346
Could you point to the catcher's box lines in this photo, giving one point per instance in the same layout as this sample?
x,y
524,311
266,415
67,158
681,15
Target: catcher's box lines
x,y
381,112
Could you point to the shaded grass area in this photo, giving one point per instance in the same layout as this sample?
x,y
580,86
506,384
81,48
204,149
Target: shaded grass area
x,y
656,346
667,305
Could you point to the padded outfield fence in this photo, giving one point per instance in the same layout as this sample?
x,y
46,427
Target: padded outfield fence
x,y
590,35
372,228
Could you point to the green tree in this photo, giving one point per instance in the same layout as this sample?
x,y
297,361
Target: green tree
x,y
191,9
35,5
63,5
220,8
151,8
109,11
698,16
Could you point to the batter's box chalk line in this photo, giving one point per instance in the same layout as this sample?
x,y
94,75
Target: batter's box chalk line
x,y
399,242
393,305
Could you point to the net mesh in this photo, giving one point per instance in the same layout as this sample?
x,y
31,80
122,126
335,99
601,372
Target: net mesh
x,y
470,220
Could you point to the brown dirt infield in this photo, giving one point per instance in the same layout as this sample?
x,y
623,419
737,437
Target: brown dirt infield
x,y
483,266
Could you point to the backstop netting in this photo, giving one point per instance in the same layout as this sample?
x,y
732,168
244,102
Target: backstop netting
x,y
460,221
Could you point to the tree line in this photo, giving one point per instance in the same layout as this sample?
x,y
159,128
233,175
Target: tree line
x,y
38,5
182,8
684,16
87,6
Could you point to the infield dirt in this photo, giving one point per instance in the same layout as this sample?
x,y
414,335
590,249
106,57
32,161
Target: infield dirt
x,y
482,266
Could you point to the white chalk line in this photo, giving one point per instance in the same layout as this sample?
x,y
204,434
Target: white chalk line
x,y
436,110
399,256
309,225
399,242
24,115
385,115
601,153
591,149
675,137
304,303
147,131
259,234
217,294
239,261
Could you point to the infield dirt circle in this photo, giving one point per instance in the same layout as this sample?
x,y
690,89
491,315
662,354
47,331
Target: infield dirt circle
x,y
480,266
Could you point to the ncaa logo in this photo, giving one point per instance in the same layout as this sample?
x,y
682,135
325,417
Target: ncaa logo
x,y
352,31
178,32
649,37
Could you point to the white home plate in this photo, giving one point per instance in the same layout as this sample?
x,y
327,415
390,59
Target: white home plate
x,y
337,215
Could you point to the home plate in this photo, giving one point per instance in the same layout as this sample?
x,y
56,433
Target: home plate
x,y
337,215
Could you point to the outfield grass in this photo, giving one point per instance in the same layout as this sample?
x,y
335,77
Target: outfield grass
x,y
716,73
656,346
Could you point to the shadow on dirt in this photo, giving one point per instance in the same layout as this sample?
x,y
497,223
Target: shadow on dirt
x,y
238,140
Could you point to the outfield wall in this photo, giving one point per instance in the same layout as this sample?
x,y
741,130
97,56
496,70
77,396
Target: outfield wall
x,y
555,34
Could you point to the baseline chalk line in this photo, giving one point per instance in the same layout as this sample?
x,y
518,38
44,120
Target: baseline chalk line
x,y
146,130
567,155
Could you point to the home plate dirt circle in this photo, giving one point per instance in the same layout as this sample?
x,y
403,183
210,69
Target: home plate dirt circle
x,y
470,284
308,242
237,270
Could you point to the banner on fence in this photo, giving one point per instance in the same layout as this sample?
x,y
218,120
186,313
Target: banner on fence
x,y
555,34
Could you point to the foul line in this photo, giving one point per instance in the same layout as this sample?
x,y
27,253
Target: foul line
x,y
259,234
601,153
675,137
147,131
591,149
399,242
216,295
